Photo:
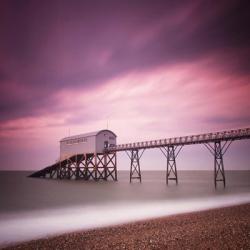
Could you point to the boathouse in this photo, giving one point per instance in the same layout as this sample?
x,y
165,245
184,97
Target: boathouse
x,y
88,143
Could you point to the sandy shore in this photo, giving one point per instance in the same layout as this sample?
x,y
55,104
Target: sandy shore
x,y
224,228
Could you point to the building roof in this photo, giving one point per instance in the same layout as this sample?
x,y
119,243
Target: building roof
x,y
87,135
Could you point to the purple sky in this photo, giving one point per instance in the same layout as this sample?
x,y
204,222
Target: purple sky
x,y
153,69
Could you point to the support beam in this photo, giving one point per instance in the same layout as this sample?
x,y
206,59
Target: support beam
x,y
111,166
100,167
71,168
82,167
218,150
95,167
219,173
171,153
53,173
135,170
90,167
77,171
105,166
58,171
86,171
115,166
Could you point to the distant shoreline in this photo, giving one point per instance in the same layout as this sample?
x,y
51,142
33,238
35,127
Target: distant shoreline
x,y
220,228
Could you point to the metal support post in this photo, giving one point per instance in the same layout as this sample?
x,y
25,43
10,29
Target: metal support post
x,y
115,166
219,173
86,170
111,166
171,155
82,166
90,171
100,166
105,166
218,151
135,170
95,167
77,171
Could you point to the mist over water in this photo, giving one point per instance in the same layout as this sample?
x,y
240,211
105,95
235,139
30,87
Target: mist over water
x,y
32,208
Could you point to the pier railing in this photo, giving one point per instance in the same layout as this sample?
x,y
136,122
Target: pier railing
x,y
229,135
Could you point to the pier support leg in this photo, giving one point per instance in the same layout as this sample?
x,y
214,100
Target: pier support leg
x,y
95,167
90,169
100,167
68,169
77,170
115,167
85,171
219,173
171,165
71,167
218,150
135,170
111,166
80,166
58,171
171,155
63,172
105,166
53,173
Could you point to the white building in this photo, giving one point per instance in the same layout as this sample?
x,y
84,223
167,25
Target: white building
x,y
94,142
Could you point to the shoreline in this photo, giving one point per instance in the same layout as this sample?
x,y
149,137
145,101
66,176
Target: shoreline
x,y
219,228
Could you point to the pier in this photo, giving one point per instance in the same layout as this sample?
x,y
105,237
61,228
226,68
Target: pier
x,y
103,165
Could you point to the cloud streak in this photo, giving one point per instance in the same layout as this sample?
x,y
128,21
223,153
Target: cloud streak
x,y
49,46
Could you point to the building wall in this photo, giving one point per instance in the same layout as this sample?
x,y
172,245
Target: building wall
x,y
102,137
79,145
84,144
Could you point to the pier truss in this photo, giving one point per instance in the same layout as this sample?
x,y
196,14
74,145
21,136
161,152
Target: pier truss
x,y
170,153
135,169
217,143
82,166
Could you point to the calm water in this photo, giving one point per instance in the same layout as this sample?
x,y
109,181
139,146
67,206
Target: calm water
x,y
32,208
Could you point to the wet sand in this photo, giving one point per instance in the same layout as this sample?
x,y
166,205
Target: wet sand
x,y
223,228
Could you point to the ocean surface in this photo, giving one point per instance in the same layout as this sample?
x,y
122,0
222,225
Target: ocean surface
x,y
32,208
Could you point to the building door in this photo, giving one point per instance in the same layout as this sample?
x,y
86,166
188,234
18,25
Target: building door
x,y
106,144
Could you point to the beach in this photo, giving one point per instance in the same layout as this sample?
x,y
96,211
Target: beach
x,y
32,209
222,228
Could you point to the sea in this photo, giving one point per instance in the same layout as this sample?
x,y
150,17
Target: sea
x,y
32,208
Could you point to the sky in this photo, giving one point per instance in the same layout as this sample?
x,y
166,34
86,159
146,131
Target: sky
x,y
146,69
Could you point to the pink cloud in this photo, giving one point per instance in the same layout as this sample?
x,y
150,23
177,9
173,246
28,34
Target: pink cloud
x,y
164,102
161,102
